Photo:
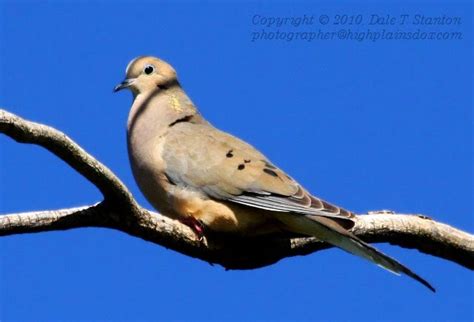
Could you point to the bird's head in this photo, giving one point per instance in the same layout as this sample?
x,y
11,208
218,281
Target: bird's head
x,y
147,74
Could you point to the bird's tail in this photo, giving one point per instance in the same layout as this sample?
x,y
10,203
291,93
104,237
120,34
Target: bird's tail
x,y
329,231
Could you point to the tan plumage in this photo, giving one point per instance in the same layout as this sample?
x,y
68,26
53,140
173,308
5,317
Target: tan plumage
x,y
193,172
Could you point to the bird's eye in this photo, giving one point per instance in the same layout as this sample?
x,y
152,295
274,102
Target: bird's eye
x,y
149,69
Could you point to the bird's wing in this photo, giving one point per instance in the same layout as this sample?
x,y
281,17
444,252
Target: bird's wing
x,y
223,167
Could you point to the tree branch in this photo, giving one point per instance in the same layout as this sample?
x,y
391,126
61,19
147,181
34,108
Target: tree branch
x,y
120,211
62,146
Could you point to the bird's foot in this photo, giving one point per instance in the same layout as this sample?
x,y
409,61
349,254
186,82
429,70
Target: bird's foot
x,y
196,225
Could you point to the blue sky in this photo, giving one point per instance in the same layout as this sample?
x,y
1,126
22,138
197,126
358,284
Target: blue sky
x,y
367,125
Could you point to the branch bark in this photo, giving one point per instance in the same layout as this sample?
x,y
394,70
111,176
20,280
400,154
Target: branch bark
x,y
120,211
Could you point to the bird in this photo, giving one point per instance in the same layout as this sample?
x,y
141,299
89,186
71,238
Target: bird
x,y
213,181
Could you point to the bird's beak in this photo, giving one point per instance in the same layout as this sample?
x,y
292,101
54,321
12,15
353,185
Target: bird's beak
x,y
125,84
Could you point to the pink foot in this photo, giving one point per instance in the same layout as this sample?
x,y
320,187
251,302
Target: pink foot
x,y
196,225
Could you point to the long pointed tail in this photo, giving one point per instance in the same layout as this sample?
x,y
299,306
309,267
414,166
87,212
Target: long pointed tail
x,y
329,231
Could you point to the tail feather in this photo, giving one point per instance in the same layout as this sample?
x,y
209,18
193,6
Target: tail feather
x,y
327,230
357,247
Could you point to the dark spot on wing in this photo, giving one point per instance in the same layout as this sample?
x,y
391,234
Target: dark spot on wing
x,y
241,166
169,179
270,172
247,161
230,154
269,165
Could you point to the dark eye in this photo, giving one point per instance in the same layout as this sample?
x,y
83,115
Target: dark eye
x,y
149,69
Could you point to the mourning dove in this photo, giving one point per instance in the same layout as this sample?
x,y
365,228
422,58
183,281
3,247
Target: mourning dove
x,y
206,178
